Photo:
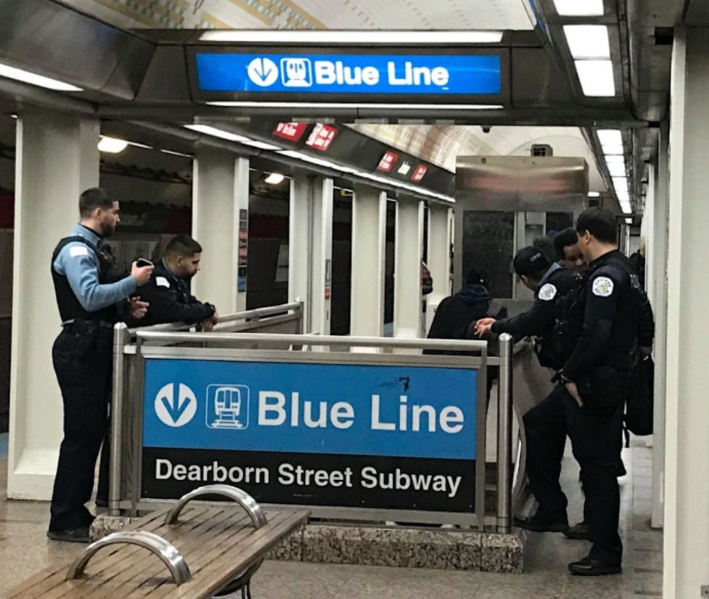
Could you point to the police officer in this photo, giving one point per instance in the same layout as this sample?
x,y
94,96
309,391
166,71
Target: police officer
x,y
89,304
167,291
590,400
549,281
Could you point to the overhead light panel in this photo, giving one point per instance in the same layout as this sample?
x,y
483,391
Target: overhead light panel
x,y
34,79
364,38
588,41
617,170
628,221
594,194
317,161
112,145
139,145
613,151
610,137
173,153
275,179
596,77
579,8
229,136
615,159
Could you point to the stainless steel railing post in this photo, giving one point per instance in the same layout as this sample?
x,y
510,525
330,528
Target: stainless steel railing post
x,y
120,339
504,437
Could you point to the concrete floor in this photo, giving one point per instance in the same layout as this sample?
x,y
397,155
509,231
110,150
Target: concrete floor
x,y
24,549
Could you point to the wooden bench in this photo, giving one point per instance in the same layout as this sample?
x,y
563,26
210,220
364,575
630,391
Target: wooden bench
x,y
207,550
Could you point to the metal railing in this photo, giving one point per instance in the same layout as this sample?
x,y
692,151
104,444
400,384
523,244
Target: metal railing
x,y
132,348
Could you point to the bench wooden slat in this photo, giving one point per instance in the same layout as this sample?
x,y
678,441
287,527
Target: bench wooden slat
x,y
38,578
216,542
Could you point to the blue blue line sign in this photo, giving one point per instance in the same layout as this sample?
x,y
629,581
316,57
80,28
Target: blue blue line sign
x,y
389,74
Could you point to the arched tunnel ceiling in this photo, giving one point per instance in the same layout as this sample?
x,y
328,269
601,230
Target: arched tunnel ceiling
x,y
312,14
441,145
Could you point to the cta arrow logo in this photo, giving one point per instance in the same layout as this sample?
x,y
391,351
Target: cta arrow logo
x,y
263,71
175,410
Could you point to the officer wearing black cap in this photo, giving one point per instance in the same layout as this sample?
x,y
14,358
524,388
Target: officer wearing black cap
x,y
549,281
90,298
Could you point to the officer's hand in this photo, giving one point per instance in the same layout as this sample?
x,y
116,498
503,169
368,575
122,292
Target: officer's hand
x,y
207,326
574,392
138,309
141,274
484,326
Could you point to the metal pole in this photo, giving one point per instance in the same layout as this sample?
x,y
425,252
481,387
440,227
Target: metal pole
x,y
504,437
120,339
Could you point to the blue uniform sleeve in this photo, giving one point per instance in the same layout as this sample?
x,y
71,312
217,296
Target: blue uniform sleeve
x,y
79,264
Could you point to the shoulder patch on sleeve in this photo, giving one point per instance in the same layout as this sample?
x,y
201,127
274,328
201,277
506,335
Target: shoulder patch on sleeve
x,y
162,282
547,292
78,250
602,287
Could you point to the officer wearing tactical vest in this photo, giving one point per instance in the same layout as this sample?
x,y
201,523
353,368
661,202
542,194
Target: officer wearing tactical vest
x,y
588,404
91,300
167,291
549,282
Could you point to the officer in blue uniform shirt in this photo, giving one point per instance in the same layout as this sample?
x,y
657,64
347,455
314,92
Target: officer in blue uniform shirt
x,y
91,299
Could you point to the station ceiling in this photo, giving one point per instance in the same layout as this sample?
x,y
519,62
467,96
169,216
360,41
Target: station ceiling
x,y
312,14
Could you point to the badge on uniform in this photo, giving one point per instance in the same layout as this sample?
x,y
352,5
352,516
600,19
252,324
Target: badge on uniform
x,y
547,293
162,282
602,287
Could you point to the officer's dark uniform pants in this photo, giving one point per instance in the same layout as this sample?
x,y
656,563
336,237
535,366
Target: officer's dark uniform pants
x,y
594,437
84,376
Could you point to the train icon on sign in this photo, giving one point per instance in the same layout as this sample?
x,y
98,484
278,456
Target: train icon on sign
x,y
228,407
297,72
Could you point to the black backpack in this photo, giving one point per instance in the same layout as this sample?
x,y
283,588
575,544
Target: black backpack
x,y
640,405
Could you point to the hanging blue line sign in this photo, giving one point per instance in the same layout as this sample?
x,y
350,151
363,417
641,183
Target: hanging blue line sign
x,y
444,75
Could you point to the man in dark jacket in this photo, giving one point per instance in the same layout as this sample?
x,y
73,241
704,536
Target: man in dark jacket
x,y
170,298
456,313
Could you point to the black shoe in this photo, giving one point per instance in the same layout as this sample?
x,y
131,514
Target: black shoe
x,y
580,532
535,524
593,567
77,535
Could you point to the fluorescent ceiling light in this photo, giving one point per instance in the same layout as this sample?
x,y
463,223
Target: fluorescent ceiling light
x,y
596,77
364,106
318,161
173,153
588,41
628,221
626,207
620,182
610,137
111,145
613,151
14,116
139,145
579,8
594,194
39,80
220,133
275,179
616,170
398,38
615,159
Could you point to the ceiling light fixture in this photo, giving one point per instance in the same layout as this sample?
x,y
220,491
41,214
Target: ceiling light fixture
x,y
594,194
615,159
363,38
275,179
579,8
111,145
610,137
139,145
596,77
34,79
173,153
588,41
613,151
229,104
628,221
616,170
229,136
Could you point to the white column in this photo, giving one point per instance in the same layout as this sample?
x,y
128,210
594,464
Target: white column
x,y
299,240
407,268
657,251
310,249
321,255
56,160
369,221
686,545
439,240
220,190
